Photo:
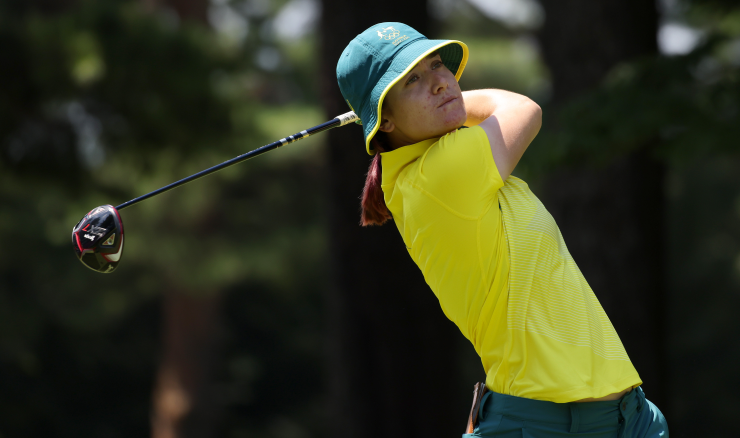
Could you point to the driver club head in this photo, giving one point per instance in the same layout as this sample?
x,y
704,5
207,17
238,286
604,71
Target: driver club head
x,y
98,239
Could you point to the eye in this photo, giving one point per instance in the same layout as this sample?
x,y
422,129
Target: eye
x,y
437,64
412,79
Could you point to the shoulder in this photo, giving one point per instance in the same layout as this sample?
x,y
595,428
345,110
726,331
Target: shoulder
x,y
463,155
459,171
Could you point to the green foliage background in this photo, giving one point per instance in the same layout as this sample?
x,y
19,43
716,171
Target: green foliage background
x,y
104,102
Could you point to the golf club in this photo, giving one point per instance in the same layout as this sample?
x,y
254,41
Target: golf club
x,y
98,237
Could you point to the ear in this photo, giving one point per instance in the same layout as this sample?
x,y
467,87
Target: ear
x,y
386,125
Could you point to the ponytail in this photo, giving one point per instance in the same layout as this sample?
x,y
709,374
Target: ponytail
x,y
374,210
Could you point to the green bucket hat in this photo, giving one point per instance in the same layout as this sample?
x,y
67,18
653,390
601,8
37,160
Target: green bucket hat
x,y
379,57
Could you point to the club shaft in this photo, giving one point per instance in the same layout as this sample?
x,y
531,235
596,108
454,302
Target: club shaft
x,y
342,120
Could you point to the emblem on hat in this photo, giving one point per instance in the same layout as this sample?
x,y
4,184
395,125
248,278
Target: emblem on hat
x,y
388,33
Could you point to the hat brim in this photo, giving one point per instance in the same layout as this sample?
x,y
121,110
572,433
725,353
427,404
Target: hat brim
x,y
454,55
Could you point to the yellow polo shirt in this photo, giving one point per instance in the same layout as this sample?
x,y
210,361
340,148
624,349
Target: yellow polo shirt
x,y
496,261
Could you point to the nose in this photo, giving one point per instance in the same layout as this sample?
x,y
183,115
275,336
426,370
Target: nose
x,y
439,83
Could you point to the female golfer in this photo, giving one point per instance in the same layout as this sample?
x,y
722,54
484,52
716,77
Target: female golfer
x,y
486,245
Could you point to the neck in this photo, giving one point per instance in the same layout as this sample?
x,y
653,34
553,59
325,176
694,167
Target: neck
x,y
397,139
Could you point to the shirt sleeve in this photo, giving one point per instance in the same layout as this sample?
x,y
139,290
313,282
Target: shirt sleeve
x,y
459,172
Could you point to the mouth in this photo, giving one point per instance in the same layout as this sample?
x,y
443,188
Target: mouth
x,y
447,101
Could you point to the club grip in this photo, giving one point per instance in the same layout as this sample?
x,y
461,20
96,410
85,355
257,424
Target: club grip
x,y
347,118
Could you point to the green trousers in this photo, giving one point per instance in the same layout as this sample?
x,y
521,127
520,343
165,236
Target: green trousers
x,y
506,416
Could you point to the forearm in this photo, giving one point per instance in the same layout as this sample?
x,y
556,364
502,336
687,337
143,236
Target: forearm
x,y
509,120
482,104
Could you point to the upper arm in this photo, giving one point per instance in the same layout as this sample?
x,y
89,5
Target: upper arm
x,y
510,130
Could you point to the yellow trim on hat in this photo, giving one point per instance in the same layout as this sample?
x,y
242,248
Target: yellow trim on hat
x,y
460,69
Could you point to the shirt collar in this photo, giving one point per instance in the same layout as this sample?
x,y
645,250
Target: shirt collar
x,y
395,161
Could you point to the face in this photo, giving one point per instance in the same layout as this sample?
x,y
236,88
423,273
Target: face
x,y
426,103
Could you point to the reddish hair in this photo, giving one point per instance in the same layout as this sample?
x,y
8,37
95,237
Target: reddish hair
x,y
374,210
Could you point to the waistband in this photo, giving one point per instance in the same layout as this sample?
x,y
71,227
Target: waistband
x,y
581,416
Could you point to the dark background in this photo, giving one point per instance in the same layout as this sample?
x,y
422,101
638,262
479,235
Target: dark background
x,y
251,304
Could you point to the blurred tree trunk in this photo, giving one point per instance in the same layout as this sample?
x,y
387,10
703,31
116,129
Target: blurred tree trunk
x,y
392,359
612,219
182,407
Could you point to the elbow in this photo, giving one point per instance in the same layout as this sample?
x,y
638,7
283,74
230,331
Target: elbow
x,y
532,111
536,116
536,108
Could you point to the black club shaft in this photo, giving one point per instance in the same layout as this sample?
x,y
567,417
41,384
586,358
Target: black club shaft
x,y
341,120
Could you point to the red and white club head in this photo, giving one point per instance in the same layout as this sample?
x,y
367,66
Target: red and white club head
x,y
98,239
